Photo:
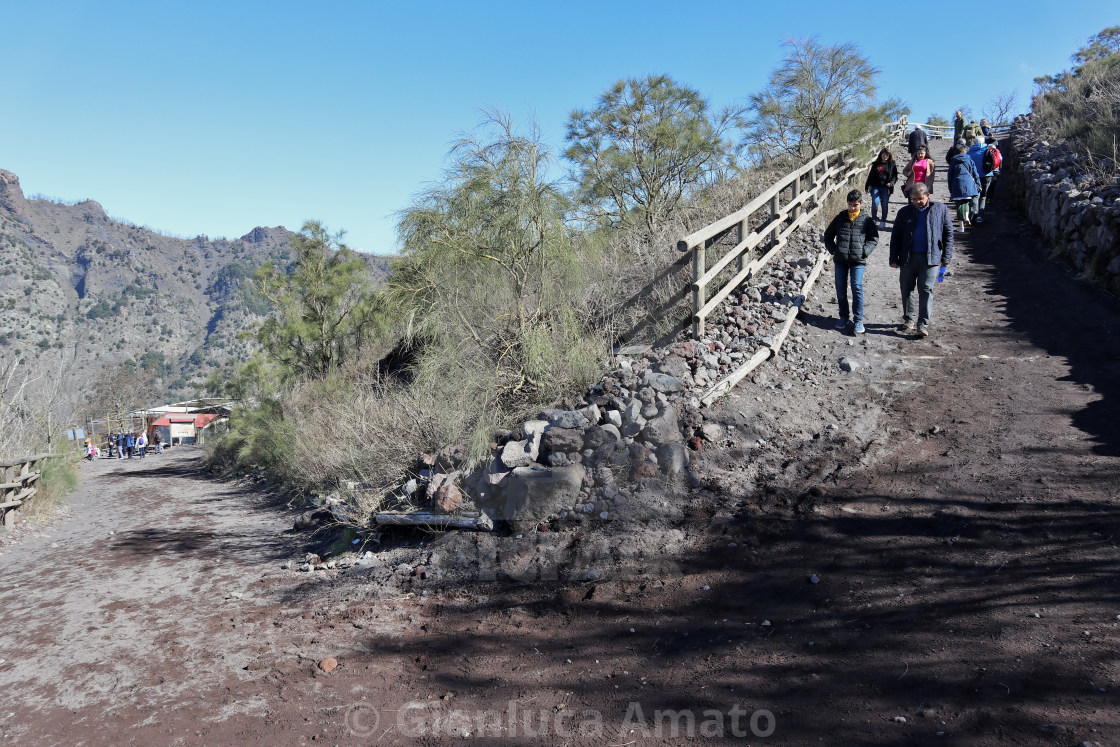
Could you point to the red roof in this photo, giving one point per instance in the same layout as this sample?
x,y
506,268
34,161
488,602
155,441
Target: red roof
x,y
200,421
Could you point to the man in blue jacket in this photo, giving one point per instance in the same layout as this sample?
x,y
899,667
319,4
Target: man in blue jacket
x,y
921,244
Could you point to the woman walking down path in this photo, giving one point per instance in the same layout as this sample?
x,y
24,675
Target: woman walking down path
x,y
920,169
880,183
964,186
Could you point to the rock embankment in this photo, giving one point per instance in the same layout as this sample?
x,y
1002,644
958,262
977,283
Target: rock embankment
x,y
1073,201
639,424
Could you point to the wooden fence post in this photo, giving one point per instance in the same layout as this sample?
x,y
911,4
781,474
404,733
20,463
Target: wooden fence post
x,y
795,195
699,297
773,220
806,199
741,262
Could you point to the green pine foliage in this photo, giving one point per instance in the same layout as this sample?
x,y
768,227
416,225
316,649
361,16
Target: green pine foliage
x,y
648,144
324,306
819,97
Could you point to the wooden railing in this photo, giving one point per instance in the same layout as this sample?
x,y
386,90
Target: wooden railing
x,y
790,203
17,478
946,131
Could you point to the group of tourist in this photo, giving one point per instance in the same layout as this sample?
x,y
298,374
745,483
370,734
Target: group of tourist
x,y
132,443
921,242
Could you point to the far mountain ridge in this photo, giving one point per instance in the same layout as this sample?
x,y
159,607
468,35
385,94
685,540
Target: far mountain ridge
x,y
83,292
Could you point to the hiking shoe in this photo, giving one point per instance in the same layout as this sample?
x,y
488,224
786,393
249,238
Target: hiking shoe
x,y
906,328
842,324
922,333
858,329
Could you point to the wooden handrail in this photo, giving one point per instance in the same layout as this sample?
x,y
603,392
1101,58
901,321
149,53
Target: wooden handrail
x,y
16,478
945,131
826,173
24,460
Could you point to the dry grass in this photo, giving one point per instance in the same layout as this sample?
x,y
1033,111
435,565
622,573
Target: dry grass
x,y
640,290
60,478
1084,111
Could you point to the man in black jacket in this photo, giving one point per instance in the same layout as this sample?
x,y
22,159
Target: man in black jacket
x,y
917,139
921,246
850,238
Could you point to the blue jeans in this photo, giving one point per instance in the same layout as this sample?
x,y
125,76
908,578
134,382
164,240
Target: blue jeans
x,y
985,191
880,198
917,272
844,273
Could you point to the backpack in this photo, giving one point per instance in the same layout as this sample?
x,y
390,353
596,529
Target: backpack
x,y
992,159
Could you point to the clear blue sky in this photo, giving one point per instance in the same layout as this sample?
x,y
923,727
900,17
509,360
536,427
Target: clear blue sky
x,y
214,117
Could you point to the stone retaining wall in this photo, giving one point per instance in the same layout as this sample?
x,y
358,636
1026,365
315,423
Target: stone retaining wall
x,y
1072,204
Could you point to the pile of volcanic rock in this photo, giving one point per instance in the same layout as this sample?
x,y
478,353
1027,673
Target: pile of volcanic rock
x,y
572,464
1072,199
747,320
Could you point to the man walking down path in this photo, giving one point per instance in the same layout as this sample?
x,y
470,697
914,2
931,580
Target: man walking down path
x,y
921,244
917,139
850,238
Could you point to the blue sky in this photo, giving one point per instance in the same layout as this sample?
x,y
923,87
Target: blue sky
x,y
216,117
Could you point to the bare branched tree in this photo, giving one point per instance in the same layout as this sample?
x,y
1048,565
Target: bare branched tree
x,y
36,405
121,389
1000,107
15,412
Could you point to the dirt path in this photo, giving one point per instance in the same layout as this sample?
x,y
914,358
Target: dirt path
x,y
926,554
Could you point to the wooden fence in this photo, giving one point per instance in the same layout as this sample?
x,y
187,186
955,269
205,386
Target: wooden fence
x,y
17,484
946,131
768,220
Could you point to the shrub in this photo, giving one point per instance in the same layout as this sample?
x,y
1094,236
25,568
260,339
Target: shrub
x,y
1082,106
491,285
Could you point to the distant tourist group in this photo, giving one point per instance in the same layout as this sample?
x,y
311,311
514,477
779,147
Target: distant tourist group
x,y
921,243
127,444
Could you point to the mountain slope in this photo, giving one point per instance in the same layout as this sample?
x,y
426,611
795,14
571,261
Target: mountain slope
x,y
84,292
